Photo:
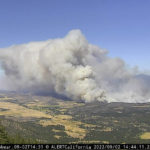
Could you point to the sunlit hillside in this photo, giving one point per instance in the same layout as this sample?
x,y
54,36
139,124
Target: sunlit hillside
x,y
41,119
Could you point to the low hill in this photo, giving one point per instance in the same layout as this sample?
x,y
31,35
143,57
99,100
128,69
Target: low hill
x,y
45,119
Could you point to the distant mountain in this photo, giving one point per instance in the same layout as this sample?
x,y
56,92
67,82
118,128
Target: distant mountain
x,y
144,77
145,81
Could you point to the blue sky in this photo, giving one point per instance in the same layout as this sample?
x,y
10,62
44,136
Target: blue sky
x,y
120,26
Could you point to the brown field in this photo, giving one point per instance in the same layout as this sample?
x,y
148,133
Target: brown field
x,y
16,110
72,128
145,136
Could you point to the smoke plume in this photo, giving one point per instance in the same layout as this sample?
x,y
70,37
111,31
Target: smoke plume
x,y
70,67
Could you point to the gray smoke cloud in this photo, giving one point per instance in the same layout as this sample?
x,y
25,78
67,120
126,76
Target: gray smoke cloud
x,y
71,67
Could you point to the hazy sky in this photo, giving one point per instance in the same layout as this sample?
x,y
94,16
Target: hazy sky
x,y
120,26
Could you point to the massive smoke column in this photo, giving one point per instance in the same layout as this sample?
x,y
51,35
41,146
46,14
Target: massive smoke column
x,y
70,67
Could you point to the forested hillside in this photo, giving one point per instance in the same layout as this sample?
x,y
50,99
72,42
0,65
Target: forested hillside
x,y
5,138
